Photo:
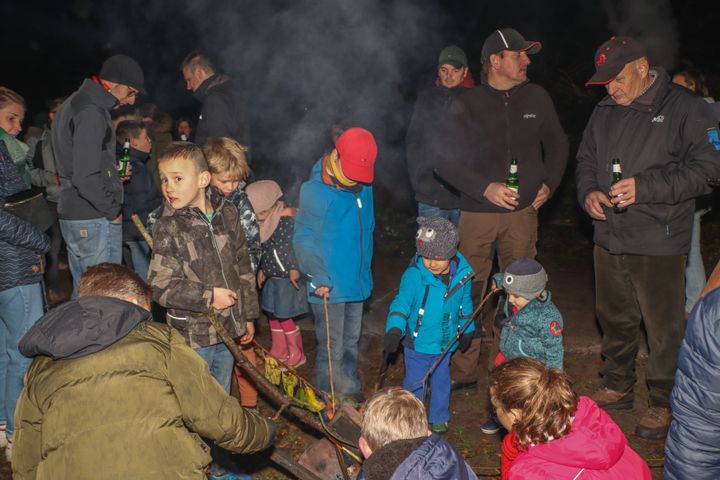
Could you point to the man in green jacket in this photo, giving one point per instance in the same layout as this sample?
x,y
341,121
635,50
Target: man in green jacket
x,y
112,394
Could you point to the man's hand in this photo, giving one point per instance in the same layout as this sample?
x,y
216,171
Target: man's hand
x,y
542,196
594,202
322,291
249,333
223,298
118,220
501,196
391,342
623,192
128,173
260,278
294,276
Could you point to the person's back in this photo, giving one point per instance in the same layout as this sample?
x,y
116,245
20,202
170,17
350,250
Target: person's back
x,y
111,394
692,449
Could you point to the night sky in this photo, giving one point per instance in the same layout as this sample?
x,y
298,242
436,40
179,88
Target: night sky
x,y
307,65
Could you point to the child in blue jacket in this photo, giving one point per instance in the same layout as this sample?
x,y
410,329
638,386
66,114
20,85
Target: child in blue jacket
x,y
432,305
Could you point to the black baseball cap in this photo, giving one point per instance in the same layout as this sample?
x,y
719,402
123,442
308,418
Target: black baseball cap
x,y
454,56
124,70
612,56
507,39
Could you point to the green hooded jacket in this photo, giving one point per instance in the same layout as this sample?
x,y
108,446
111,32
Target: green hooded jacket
x,y
113,395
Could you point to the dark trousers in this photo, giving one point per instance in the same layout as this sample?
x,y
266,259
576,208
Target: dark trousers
x,y
52,273
514,235
635,289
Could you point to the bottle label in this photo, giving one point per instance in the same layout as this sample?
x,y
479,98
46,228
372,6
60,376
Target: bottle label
x,y
513,168
514,188
616,168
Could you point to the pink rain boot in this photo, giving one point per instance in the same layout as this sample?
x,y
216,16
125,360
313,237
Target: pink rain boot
x,y
294,343
279,348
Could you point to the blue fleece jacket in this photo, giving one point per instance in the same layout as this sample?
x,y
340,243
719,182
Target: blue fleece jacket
x,y
333,239
535,331
446,309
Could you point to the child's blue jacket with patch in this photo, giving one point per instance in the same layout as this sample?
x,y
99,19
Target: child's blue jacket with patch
x,y
445,308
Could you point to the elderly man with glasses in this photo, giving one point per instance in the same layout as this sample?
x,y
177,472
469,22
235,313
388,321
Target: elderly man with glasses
x,y
84,144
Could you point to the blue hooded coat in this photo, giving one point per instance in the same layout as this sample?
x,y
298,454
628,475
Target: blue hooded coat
x,y
445,308
333,239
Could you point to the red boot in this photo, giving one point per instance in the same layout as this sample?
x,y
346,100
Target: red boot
x,y
279,348
294,343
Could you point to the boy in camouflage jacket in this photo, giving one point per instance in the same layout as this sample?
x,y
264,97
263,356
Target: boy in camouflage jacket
x,y
200,260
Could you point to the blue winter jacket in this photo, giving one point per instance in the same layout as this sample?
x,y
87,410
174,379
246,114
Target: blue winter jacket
x,y
435,458
21,244
535,331
446,309
141,195
333,239
692,448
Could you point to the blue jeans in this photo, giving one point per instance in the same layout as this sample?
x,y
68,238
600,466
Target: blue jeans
x,y
345,325
20,308
416,365
695,270
140,252
452,214
220,361
90,242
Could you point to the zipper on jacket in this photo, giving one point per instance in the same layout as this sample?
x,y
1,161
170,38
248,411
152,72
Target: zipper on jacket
x,y
506,102
222,268
360,206
277,259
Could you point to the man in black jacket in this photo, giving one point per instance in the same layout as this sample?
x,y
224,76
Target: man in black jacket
x,y
83,140
429,137
223,113
505,118
666,141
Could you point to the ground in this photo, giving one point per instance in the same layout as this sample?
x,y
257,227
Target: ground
x,y
565,249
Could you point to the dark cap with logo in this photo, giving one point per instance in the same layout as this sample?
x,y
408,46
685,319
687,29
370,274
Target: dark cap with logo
x,y
454,56
612,56
507,39
124,70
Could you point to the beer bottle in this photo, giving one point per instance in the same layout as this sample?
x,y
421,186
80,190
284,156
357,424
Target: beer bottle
x,y
616,177
512,182
124,158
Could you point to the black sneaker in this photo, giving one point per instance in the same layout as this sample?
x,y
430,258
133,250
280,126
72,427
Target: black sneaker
x,y
490,427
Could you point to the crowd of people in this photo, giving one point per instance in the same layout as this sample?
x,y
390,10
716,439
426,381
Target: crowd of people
x,y
104,184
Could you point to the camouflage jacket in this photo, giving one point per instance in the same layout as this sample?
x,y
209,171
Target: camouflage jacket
x,y
249,224
191,256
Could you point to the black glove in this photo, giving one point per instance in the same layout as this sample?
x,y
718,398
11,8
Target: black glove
x,y
465,341
391,342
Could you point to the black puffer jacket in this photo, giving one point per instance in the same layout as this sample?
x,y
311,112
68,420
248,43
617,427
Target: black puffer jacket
x,y
428,144
224,112
668,140
141,195
494,126
21,244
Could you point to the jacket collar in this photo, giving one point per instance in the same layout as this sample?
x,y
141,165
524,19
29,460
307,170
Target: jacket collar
x,y
510,92
98,94
212,193
202,91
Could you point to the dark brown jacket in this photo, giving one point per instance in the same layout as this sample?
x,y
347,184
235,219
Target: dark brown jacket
x,y
191,256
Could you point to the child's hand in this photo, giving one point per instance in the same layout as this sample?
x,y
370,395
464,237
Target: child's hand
x,y
494,287
322,292
294,276
223,298
249,333
260,278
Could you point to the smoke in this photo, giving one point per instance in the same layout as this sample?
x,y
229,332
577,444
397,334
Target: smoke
x,y
650,21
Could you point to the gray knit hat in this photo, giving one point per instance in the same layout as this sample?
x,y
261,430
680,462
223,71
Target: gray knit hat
x,y
436,239
525,278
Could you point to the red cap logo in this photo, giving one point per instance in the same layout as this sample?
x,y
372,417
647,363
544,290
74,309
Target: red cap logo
x,y
600,60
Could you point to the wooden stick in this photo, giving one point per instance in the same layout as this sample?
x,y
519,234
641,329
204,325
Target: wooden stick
x,y
141,228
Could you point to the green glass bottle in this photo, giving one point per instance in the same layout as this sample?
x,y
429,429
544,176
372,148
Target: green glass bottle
x,y
616,177
513,182
124,158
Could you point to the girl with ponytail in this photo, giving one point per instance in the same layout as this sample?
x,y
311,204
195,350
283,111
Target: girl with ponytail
x,y
553,432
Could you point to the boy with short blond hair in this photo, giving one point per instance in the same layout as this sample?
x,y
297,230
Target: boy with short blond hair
x,y
229,171
397,443
200,261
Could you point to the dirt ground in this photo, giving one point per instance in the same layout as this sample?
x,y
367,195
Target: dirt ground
x,y
566,252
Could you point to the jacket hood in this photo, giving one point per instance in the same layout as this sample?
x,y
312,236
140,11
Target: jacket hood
x,y
459,270
81,327
594,442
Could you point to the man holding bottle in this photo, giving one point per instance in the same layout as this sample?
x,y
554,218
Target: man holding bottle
x,y
504,118
665,142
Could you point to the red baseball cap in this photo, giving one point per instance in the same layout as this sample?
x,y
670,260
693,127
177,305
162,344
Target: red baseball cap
x,y
612,56
358,151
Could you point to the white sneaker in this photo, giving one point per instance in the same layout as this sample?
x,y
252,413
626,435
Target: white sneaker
x,y
8,451
3,438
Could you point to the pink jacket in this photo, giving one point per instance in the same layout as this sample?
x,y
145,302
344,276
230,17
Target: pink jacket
x,y
595,448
